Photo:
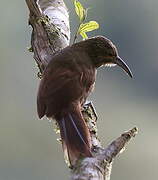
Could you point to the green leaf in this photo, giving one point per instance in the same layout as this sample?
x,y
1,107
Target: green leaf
x,y
84,35
80,11
89,26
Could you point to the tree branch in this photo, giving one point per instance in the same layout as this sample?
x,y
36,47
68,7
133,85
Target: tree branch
x,y
51,33
99,167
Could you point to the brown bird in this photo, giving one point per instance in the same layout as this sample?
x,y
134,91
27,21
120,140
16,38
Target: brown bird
x,y
66,83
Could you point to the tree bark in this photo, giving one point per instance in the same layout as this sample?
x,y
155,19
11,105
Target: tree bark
x,y
51,33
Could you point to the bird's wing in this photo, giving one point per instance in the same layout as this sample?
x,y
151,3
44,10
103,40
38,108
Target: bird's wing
x,y
56,82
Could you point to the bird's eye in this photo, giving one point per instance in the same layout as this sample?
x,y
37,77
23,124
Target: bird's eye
x,y
111,54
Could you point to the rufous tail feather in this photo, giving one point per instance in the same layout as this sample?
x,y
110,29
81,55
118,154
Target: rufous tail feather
x,y
75,136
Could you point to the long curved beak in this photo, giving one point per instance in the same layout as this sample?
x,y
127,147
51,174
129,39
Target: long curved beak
x,y
123,65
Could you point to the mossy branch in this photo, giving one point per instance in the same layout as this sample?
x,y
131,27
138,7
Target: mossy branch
x,y
51,33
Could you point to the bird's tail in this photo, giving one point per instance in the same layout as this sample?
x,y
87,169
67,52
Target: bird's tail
x,y
75,136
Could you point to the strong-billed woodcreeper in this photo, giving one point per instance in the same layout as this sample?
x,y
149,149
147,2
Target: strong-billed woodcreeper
x,y
67,81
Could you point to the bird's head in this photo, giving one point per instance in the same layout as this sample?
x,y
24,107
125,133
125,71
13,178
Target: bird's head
x,y
103,52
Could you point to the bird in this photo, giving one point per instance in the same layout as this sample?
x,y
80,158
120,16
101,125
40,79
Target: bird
x,y
66,82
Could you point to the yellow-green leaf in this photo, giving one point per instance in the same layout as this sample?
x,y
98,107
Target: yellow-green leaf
x,y
84,35
80,11
90,26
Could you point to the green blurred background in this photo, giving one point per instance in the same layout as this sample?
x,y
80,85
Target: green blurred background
x,y
28,147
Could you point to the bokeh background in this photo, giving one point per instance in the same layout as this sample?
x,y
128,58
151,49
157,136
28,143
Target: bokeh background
x,y
28,147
